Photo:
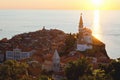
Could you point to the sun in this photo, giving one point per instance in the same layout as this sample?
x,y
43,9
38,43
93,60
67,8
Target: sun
x,y
97,3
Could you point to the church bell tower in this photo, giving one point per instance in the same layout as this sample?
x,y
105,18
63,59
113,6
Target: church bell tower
x,y
80,24
56,62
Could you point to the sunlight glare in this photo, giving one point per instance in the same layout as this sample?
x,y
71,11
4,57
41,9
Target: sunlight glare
x,y
96,25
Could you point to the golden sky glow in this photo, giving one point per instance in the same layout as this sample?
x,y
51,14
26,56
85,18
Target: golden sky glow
x,y
60,4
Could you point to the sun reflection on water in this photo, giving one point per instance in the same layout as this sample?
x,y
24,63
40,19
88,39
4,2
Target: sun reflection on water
x,y
96,28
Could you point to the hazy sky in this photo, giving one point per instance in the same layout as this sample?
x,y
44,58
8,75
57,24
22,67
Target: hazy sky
x,y
59,4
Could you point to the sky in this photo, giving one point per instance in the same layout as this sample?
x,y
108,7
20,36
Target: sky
x,y
61,4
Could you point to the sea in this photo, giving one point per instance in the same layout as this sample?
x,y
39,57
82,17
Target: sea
x,y
105,24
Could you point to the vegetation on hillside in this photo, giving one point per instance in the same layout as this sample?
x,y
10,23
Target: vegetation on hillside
x,y
80,70
77,70
13,70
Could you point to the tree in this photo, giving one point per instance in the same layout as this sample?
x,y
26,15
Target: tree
x,y
78,69
43,77
13,70
99,74
112,69
116,69
70,71
70,42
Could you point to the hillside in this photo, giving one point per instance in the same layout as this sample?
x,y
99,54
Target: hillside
x,y
45,41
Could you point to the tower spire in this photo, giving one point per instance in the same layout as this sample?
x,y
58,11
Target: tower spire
x,y
80,23
56,62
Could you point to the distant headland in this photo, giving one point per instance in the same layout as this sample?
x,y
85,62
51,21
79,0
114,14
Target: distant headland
x,y
46,41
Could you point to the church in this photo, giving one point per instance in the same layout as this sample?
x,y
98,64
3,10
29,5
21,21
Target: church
x,y
84,38
52,62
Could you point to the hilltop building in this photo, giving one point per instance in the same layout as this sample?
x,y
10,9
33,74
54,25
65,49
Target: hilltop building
x,y
17,54
84,40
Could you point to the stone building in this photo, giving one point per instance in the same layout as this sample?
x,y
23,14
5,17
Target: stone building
x,y
17,54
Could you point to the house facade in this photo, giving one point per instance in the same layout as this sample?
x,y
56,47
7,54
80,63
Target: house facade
x,y
17,54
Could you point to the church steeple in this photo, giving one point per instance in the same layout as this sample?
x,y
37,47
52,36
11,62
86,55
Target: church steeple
x,y
80,23
56,56
56,62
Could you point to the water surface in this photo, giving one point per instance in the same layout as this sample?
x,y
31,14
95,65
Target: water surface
x,y
105,24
